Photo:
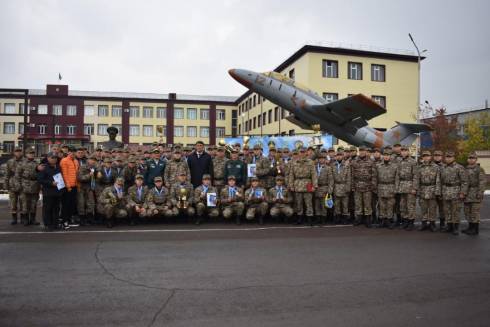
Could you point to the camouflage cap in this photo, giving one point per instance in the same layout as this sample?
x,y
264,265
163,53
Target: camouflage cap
x,y
221,149
280,178
272,150
352,148
302,149
285,149
311,148
472,155
119,179
118,158
377,150
331,150
339,153
231,177
387,152
107,160
362,148
234,151
206,176
187,148
323,150
257,146
254,179
246,147
397,145
404,148
449,153
31,151
177,151
340,148
132,160
295,152
158,179
139,176
182,173
426,154
438,153
155,150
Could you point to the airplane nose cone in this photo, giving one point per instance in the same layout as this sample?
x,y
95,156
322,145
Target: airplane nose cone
x,y
240,76
232,73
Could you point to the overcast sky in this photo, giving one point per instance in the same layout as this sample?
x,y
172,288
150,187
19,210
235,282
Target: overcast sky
x,y
188,46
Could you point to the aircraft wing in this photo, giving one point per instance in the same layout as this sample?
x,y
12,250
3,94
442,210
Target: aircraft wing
x,y
355,110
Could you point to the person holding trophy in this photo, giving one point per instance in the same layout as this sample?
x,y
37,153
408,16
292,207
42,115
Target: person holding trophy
x,y
206,198
182,196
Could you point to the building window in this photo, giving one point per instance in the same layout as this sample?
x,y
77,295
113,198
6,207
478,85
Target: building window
x,y
291,76
134,112
179,113
355,70
378,73
116,111
264,118
8,146
220,132
71,129
220,114
41,129
204,132
331,97
161,112
102,129
88,129
57,129
178,131
21,128
103,111
118,126
89,111
147,129
134,130
259,123
71,110
21,108
276,114
9,108
192,113
255,123
270,117
330,68
42,109
147,112
191,131
8,128
164,131
57,110
204,114
379,99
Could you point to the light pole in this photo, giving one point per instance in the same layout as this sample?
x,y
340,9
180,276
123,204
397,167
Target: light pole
x,y
243,126
418,93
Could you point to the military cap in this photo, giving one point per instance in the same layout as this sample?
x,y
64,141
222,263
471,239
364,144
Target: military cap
x,y
472,155
212,147
311,148
404,148
254,179
323,150
119,178
339,153
98,149
231,177
387,152
377,150
397,145
158,179
370,150
426,153
119,158
182,173
132,159
331,150
285,149
155,151
221,149
449,153
200,142
340,148
146,151
107,151
352,148
206,176
234,151
18,149
438,153
51,155
93,158
388,147
112,129
362,148
177,151
187,148
246,147
302,149
295,152
139,176
257,146
30,151
272,150
106,160
280,178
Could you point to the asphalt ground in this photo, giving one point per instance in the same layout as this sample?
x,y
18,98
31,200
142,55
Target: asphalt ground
x,y
248,275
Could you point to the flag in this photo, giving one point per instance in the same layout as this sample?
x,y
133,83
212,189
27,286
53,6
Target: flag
x,y
59,76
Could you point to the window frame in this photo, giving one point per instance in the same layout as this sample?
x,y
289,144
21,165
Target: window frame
x,y
359,71
325,67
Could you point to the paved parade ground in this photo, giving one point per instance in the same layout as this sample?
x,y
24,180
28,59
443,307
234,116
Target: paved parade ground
x,y
228,275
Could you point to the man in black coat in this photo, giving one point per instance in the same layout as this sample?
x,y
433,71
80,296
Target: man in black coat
x,y
200,163
51,194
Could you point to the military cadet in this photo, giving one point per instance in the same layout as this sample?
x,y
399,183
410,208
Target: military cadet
x,y
174,167
154,167
429,181
263,165
246,156
280,199
118,166
136,200
274,163
98,154
363,181
158,202
231,199
256,201
112,202
353,153
397,152
407,188
330,155
219,163
387,179
212,151
325,186
237,168
141,166
303,182
454,182
105,176
13,184
438,160
473,200
86,191
200,197
342,179
26,173
182,196
129,172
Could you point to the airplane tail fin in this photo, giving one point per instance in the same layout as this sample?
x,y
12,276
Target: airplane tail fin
x,y
405,134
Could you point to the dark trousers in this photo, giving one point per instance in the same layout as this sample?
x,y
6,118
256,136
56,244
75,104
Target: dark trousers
x,y
68,204
51,210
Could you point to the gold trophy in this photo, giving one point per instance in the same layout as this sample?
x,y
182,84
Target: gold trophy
x,y
182,204
160,130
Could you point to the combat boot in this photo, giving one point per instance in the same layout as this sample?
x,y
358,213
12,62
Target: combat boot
x,y
424,226
448,228
357,221
442,224
299,220
261,220
405,223
33,220
109,223
410,225
90,219
468,229
24,219
198,220
368,221
14,219
238,220
83,220
433,227
392,224
309,220
475,230
455,230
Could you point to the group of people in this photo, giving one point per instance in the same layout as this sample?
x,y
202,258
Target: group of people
x,y
373,187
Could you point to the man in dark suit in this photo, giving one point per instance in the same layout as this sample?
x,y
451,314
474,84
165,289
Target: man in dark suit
x,y
200,163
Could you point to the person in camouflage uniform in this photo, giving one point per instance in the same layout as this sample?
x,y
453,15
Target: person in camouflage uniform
x,y
26,173
219,164
136,199
86,191
129,172
280,199
237,168
231,199
13,185
273,157
407,188
174,167
158,202
112,202
454,182
473,200
256,201
118,166
303,181
342,178
263,165
182,202
105,176
387,178
283,166
429,182
363,182
325,186
200,197
438,160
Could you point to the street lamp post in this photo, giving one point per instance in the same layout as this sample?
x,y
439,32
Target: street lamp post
x,y
419,53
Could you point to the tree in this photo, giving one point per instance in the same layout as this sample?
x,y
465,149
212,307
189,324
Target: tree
x,y
444,136
476,136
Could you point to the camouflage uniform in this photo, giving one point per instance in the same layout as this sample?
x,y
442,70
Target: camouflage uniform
x,y
302,174
429,181
13,185
175,196
407,174
473,200
129,174
26,173
363,181
104,178
86,190
387,178
111,205
136,197
256,206
219,165
454,182
235,207
439,200
325,185
262,170
342,179
280,199
201,201
158,203
172,169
